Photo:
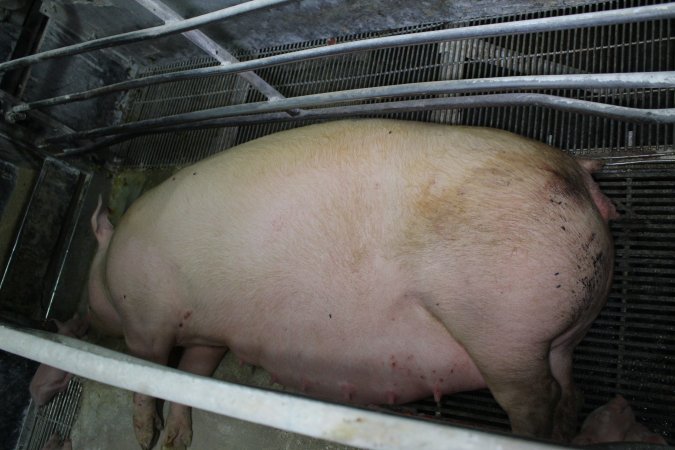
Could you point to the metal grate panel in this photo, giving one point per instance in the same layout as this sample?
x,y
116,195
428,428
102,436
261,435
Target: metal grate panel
x,y
57,416
635,47
183,148
630,349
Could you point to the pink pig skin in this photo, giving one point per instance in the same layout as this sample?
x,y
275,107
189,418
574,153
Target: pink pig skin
x,y
49,381
55,443
615,422
368,261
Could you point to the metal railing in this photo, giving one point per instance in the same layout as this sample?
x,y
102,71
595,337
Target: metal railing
x,y
599,18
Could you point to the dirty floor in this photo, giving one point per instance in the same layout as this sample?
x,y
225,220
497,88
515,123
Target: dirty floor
x,y
104,420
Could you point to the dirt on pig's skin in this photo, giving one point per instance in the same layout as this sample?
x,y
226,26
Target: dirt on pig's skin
x,y
369,261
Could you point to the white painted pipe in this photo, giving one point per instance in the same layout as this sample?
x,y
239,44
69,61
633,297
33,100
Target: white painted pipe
x,y
337,423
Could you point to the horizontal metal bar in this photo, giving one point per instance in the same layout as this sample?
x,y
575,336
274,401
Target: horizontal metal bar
x,y
211,47
600,18
637,318
574,81
491,100
633,335
591,342
665,329
7,101
650,161
633,354
642,384
141,35
337,423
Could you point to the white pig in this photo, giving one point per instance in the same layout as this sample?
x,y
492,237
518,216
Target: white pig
x,y
369,261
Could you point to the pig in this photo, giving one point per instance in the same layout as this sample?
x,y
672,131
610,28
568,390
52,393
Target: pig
x,y
615,422
368,261
56,443
49,381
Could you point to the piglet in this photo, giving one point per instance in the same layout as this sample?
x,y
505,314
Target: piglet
x,y
49,381
55,443
615,422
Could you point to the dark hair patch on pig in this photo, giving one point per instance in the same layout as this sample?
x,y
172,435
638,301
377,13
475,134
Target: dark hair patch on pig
x,y
590,285
564,186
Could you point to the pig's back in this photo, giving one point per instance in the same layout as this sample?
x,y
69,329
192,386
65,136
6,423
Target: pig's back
x,y
295,249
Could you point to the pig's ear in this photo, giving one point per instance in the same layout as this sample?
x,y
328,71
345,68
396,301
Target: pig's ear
x,y
100,224
591,165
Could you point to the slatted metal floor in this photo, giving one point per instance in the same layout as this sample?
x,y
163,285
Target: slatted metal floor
x,y
57,416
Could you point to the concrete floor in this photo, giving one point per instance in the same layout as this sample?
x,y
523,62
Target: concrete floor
x,y
104,421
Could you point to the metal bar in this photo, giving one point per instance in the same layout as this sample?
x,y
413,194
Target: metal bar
x,y
7,101
28,42
337,423
211,47
586,82
141,35
64,250
22,225
601,18
495,100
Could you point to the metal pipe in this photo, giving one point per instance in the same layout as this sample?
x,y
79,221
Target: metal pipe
x,y
141,35
347,425
573,81
7,101
655,160
211,47
64,251
601,18
480,101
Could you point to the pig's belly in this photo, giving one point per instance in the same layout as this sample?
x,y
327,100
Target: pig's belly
x,y
363,355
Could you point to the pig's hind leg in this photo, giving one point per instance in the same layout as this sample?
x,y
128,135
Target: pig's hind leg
x,y
199,360
527,391
571,398
155,345
513,357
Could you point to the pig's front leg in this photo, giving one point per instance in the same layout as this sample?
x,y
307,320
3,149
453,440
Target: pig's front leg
x,y
146,420
151,344
200,360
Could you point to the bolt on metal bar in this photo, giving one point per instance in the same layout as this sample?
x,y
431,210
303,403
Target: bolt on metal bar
x,y
478,101
572,81
642,13
338,423
141,35
211,47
